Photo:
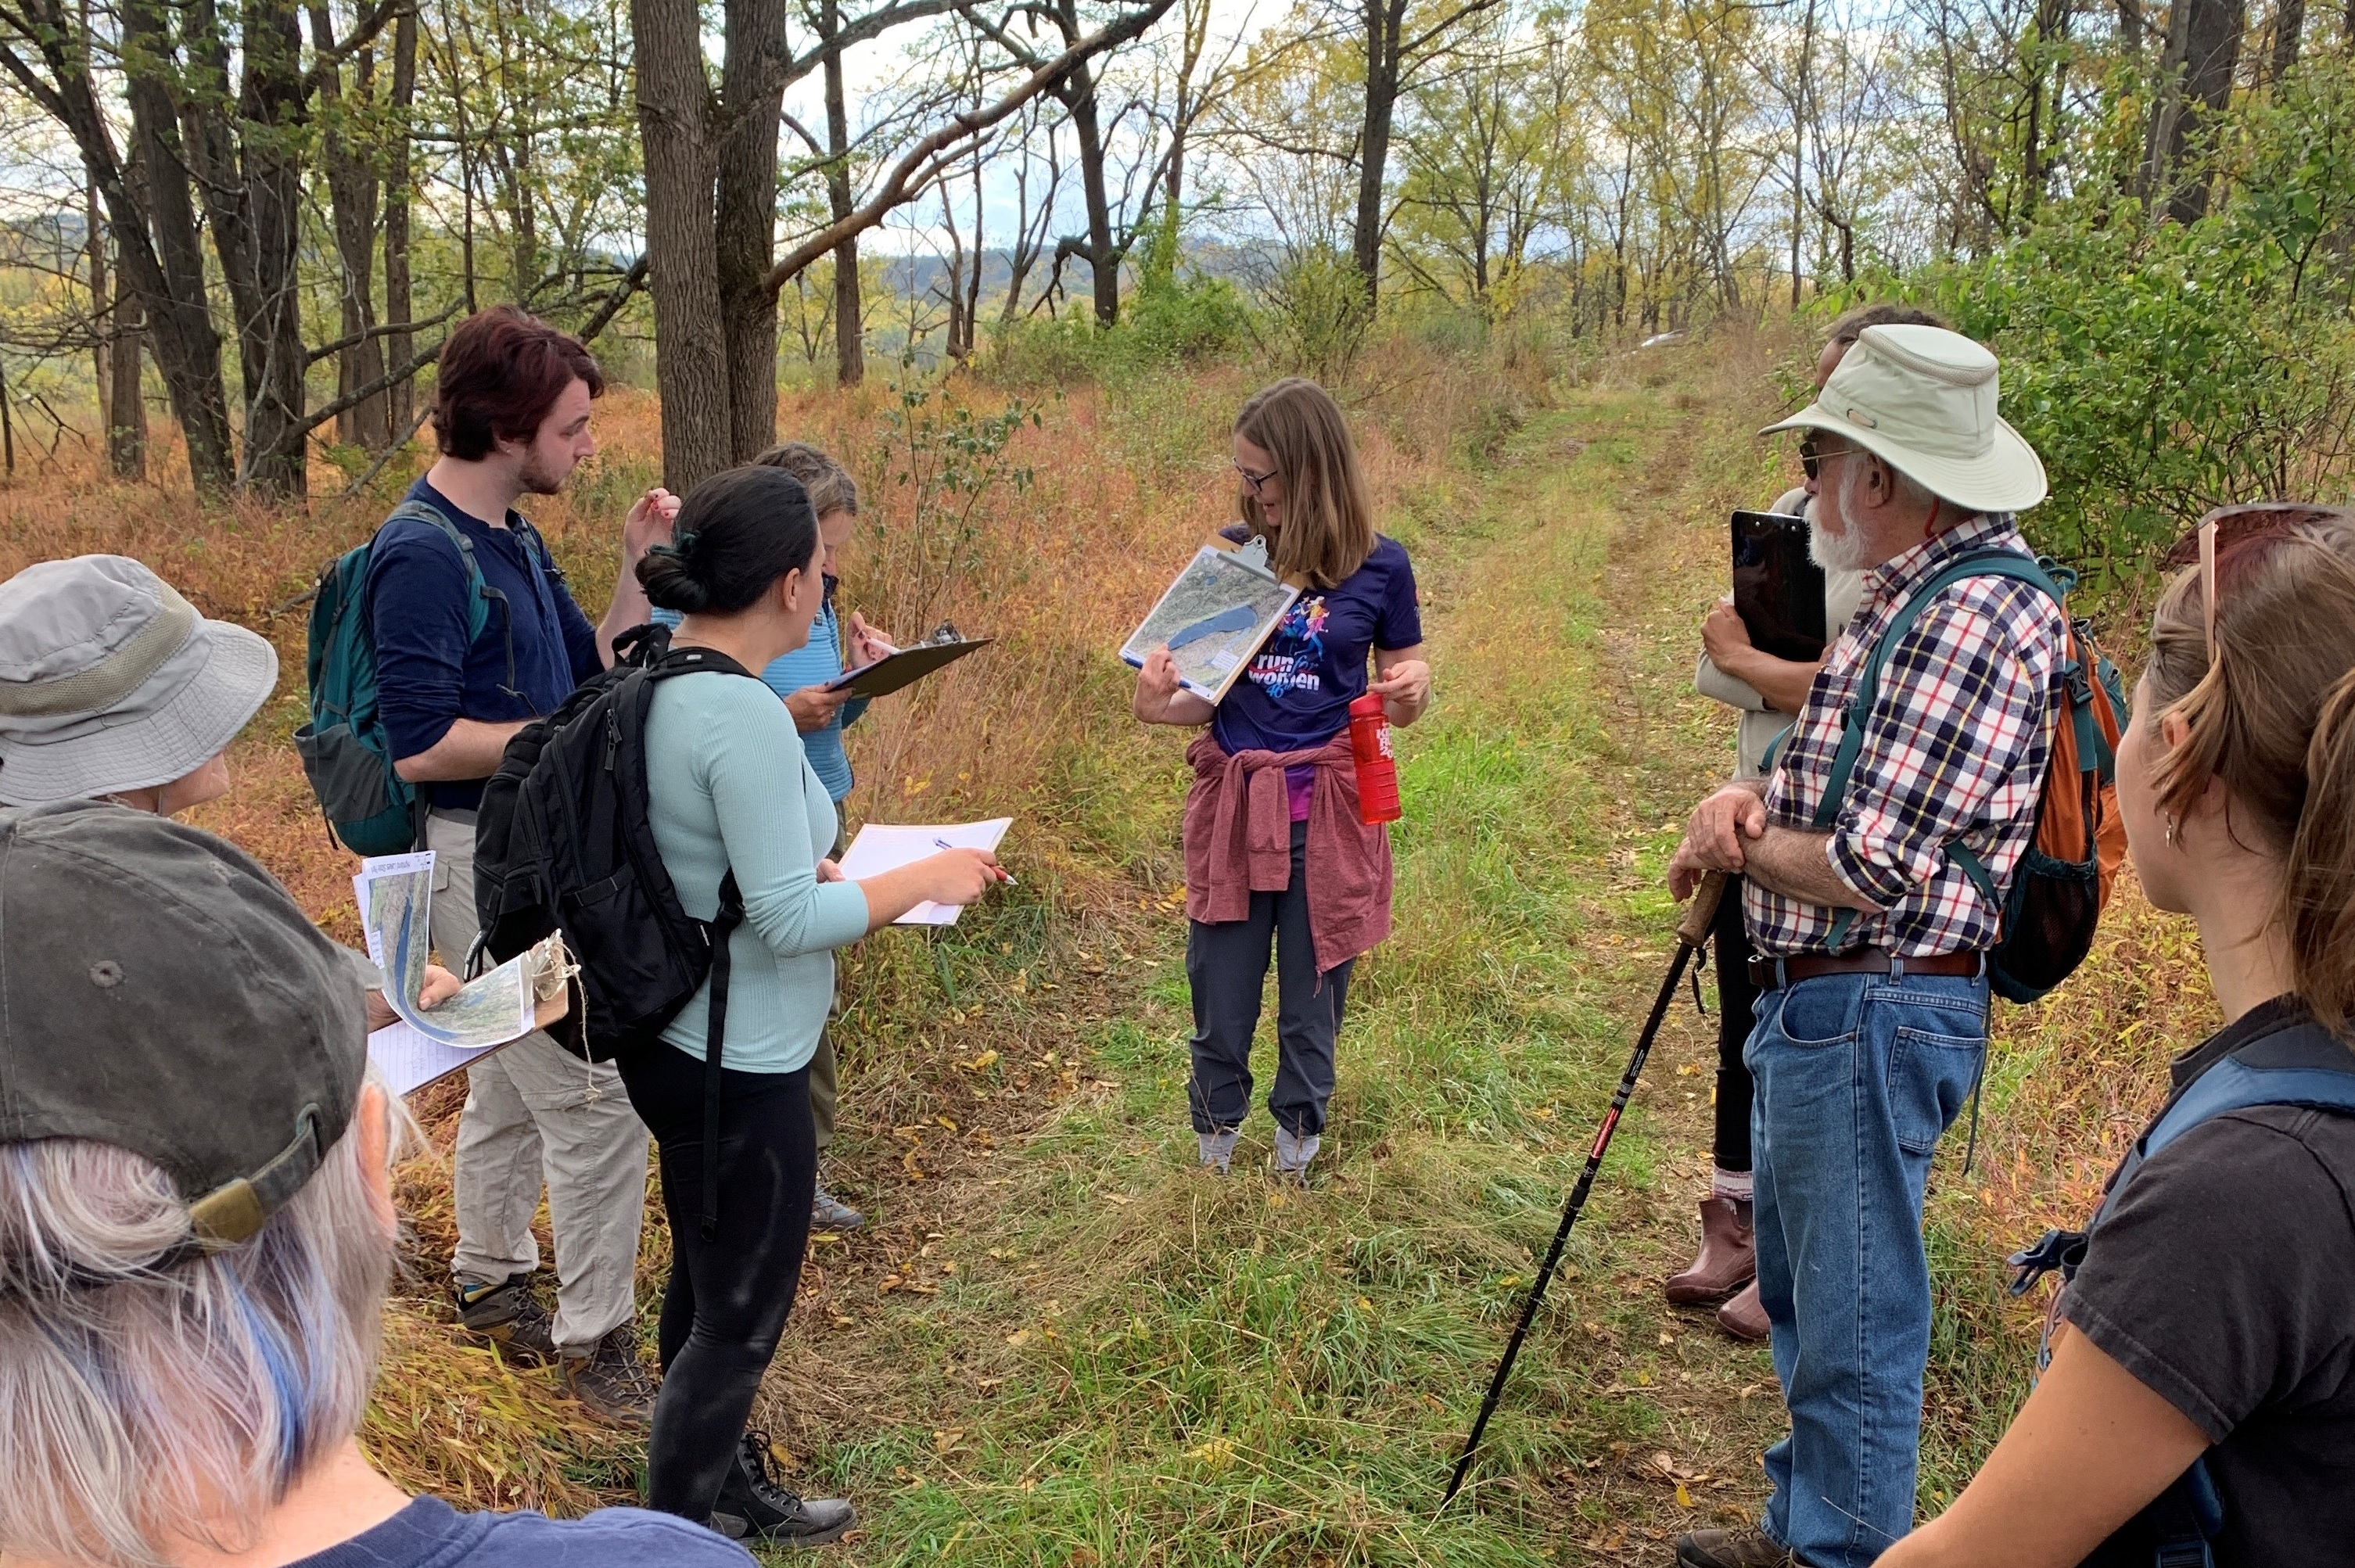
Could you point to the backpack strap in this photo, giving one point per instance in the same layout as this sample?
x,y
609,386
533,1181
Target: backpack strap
x,y
2300,1065
478,590
664,662
1859,711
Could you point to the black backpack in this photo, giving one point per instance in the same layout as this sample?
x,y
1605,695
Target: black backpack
x,y
563,842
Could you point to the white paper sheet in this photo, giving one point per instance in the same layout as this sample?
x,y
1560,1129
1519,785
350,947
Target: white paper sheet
x,y
881,848
407,1061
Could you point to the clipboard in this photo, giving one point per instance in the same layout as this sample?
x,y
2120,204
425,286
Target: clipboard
x,y
1213,618
1778,590
905,668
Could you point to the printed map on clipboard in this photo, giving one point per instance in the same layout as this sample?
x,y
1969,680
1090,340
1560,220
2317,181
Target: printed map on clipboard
x,y
1214,617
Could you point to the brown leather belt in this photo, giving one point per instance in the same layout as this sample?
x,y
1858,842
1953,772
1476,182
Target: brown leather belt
x,y
1772,974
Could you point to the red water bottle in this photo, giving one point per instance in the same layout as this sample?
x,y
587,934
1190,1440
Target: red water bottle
x,y
1369,738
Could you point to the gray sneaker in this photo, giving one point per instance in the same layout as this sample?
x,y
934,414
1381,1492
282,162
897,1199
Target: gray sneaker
x,y
509,1316
828,1212
609,1378
1289,1161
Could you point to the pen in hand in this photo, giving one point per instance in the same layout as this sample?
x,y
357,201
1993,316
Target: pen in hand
x,y
1002,874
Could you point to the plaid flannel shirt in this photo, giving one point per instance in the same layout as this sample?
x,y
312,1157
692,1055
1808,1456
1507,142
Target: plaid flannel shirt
x,y
1956,747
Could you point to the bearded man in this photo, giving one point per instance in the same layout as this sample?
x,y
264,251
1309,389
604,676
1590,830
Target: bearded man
x,y
476,635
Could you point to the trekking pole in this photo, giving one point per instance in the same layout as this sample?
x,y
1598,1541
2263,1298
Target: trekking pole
x,y
1692,931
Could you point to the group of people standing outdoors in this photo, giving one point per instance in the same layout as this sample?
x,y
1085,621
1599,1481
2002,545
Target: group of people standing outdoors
x,y
2196,1396
195,1227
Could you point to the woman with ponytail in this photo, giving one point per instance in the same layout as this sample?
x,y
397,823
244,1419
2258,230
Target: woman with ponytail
x,y
2199,1401
731,790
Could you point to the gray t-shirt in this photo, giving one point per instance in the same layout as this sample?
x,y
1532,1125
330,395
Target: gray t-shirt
x,y
2224,1282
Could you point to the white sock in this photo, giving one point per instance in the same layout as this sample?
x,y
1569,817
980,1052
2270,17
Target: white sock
x,y
1293,1153
1217,1149
1734,1184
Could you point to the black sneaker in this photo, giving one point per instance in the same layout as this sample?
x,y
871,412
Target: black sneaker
x,y
509,1316
609,1378
751,1505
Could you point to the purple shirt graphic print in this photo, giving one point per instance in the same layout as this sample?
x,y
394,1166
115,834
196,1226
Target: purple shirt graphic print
x,y
1296,695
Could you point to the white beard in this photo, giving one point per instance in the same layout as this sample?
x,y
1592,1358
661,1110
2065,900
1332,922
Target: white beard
x,y
1846,550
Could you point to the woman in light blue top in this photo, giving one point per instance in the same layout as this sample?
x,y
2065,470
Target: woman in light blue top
x,y
731,789
801,677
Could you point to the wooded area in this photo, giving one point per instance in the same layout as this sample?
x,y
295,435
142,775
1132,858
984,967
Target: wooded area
x,y
266,215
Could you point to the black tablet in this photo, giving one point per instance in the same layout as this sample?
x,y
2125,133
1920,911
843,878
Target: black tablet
x,y
1778,590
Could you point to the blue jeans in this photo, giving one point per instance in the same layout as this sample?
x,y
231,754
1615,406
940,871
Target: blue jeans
x,y
1858,1076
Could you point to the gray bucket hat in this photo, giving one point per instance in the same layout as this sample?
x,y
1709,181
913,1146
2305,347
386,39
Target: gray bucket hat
x,y
110,681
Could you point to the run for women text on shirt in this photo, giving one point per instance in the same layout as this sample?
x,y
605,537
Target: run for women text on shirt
x,y
1296,693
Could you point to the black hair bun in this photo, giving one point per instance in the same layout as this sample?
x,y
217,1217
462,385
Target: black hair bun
x,y
669,582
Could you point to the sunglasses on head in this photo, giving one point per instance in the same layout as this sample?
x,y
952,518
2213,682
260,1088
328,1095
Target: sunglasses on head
x,y
2225,535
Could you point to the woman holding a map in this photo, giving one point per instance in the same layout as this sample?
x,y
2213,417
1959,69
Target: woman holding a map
x,y
1276,855
730,791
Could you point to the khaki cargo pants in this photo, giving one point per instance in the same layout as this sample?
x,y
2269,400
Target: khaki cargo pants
x,y
537,1116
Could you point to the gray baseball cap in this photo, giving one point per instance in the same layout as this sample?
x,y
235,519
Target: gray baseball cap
x,y
161,992
109,680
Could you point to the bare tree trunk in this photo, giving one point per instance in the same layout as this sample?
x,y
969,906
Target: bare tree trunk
x,y
1384,20
352,199
93,237
753,88
692,372
849,300
2212,54
1078,95
399,310
151,199
126,424
273,108
2289,27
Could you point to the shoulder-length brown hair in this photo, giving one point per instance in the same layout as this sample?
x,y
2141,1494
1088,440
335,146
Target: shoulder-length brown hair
x,y
1328,519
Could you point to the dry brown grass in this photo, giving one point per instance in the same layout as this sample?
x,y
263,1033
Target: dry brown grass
x,y
1122,487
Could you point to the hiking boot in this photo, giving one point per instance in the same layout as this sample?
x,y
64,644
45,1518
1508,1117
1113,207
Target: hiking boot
x,y
608,1377
1728,1256
509,1317
828,1212
1748,1548
753,1506
1744,1317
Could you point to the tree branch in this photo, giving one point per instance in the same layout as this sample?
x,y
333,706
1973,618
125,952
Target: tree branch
x,y
356,338
632,282
360,395
916,167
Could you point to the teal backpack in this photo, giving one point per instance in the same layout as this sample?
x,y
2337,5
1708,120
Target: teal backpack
x,y
345,753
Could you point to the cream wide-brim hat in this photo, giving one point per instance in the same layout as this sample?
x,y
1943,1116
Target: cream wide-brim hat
x,y
110,681
1923,400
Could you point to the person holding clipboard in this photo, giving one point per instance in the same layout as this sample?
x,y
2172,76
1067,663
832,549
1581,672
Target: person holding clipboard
x,y
806,678
1275,766
1768,692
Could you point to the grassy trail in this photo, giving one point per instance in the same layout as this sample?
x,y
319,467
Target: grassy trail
x,y
1098,1354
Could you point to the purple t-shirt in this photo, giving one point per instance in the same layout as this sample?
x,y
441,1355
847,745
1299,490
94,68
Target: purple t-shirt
x,y
1296,694
429,1533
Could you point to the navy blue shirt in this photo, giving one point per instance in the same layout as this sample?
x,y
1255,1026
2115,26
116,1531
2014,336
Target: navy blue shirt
x,y
1296,694
429,1533
429,673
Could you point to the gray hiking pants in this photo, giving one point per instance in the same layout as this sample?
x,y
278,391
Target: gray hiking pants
x,y
536,1115
1226,968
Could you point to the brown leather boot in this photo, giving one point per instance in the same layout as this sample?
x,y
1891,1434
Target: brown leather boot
x,y
1744,1317
1748,1548
1728,1261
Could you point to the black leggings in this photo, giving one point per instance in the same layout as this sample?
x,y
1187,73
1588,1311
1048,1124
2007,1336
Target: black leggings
x,y
1737,1004
725,1307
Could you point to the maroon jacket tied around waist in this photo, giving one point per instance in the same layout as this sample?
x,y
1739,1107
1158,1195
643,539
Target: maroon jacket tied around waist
x,y
1239,842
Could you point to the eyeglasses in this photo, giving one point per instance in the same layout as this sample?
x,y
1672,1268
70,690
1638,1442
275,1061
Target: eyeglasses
x,y
1812,455
1256,480
2222,534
